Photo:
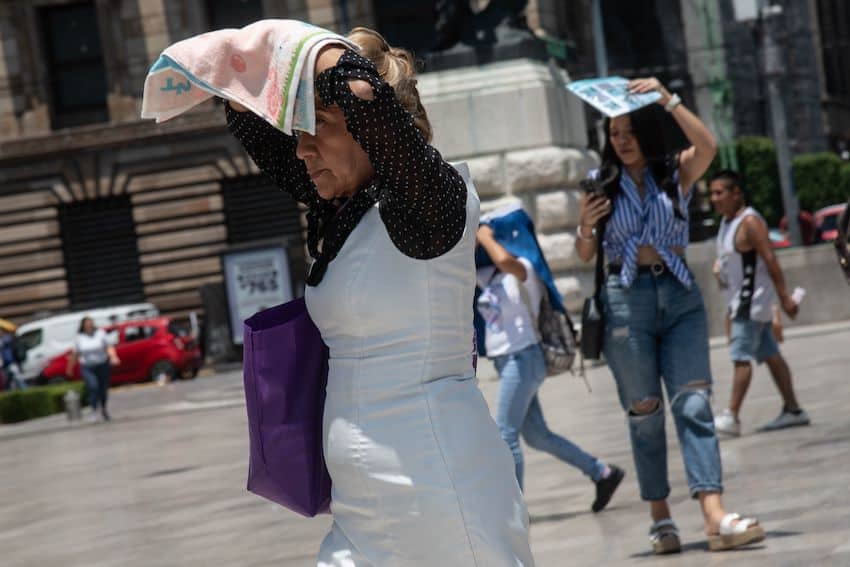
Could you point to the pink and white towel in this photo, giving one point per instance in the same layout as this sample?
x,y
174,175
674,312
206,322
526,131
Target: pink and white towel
x,y
267,66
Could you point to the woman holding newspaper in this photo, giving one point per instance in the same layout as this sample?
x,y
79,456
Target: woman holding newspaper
x,y
420,473
655,321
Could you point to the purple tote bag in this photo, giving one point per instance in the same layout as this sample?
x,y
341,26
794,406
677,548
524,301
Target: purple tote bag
x,y
286,371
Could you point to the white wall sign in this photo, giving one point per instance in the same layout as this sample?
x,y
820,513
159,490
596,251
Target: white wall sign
x,y
255,279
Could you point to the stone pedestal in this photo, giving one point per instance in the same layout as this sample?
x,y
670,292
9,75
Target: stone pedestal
x,y
524,137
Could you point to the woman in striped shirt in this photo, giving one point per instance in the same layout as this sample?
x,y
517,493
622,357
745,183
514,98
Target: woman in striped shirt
x,y
656,328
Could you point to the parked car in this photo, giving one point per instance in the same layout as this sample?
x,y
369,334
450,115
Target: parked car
x,y
826,222
148,350
46,338
807,227
778,238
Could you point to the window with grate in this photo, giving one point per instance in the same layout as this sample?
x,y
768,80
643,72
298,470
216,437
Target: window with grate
x,y
407,24
76,71
101,254
256,210
834,23
644,37
233,13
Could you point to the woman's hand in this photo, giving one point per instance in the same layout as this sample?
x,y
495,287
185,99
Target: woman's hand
x,y
693,161
789,305
648,85
328,57
593,208
113,356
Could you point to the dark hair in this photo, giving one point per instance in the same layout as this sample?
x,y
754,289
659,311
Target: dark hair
x,y
648,131
83,324
732,179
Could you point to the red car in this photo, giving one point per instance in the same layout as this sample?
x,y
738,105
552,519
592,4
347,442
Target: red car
x,y
147,350
826,222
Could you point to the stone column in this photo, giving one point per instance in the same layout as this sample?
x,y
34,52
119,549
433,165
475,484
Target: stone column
x,y
524,138
152,17
9,69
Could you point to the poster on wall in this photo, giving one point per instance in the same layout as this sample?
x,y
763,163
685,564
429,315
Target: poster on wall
x,y
255,279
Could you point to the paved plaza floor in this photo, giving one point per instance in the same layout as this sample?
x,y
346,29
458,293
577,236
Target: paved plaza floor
x,y
164,483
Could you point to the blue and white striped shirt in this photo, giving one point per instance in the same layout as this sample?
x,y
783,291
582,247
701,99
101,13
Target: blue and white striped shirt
x,y
651,222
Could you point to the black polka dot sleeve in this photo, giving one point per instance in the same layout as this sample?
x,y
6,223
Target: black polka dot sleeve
x,y
422,198
274,153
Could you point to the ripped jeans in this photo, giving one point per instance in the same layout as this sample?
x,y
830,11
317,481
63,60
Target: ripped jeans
x,y
657,331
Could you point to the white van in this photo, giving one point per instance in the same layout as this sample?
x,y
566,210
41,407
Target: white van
x,y
49,337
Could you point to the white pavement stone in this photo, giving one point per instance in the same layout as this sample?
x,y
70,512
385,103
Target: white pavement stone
x,y
557,210
497,107
488,175
560,251
488,206
546,168
154,490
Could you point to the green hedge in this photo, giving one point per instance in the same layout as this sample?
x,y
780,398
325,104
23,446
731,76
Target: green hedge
x,y
844,179
21,405
757,162
817,180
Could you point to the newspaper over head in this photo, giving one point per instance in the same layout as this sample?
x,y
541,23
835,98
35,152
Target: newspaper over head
x,y
267,66
610,95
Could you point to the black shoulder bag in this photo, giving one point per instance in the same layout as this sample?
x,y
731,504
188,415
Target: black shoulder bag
x,y
592,317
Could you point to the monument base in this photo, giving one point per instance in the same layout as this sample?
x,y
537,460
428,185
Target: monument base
x,y
505,44
524,137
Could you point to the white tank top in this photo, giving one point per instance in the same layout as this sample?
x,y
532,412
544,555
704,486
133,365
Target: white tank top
x,y
382,313
749,292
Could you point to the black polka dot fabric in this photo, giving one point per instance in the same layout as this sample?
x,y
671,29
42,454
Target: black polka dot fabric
x,y
422,199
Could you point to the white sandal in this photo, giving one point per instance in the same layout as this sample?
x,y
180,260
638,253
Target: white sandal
x,y
735,532
664,537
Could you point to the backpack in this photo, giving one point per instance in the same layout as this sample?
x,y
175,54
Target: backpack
x,y
557,337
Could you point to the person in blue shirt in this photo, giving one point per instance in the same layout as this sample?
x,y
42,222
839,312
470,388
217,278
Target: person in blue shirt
x,y
656,328
9,353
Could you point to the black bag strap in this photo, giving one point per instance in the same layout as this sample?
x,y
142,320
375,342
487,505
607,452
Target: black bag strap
x,y
598,281
600,258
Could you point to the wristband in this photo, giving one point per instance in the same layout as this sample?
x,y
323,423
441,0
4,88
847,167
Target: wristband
x,y
583,237
674,101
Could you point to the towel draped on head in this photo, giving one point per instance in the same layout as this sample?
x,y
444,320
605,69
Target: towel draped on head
x,y
267,66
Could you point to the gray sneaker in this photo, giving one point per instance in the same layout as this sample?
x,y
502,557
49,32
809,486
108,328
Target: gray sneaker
x,y
787,419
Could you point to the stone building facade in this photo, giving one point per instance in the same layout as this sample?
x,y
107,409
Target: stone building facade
x,y
167,200
73,149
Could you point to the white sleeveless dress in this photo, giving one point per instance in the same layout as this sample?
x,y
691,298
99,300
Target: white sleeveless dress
x,y
420,474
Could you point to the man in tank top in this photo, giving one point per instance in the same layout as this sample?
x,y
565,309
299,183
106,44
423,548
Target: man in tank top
x,y
749,271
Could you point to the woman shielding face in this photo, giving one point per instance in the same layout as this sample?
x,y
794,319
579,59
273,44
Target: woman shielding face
x,y
336,163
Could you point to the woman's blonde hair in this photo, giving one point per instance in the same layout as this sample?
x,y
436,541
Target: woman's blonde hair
x,y
397,67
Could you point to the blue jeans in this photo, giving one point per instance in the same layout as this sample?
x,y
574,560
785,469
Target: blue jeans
x,y
752,341
518,411
13,379
657,331
96,378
